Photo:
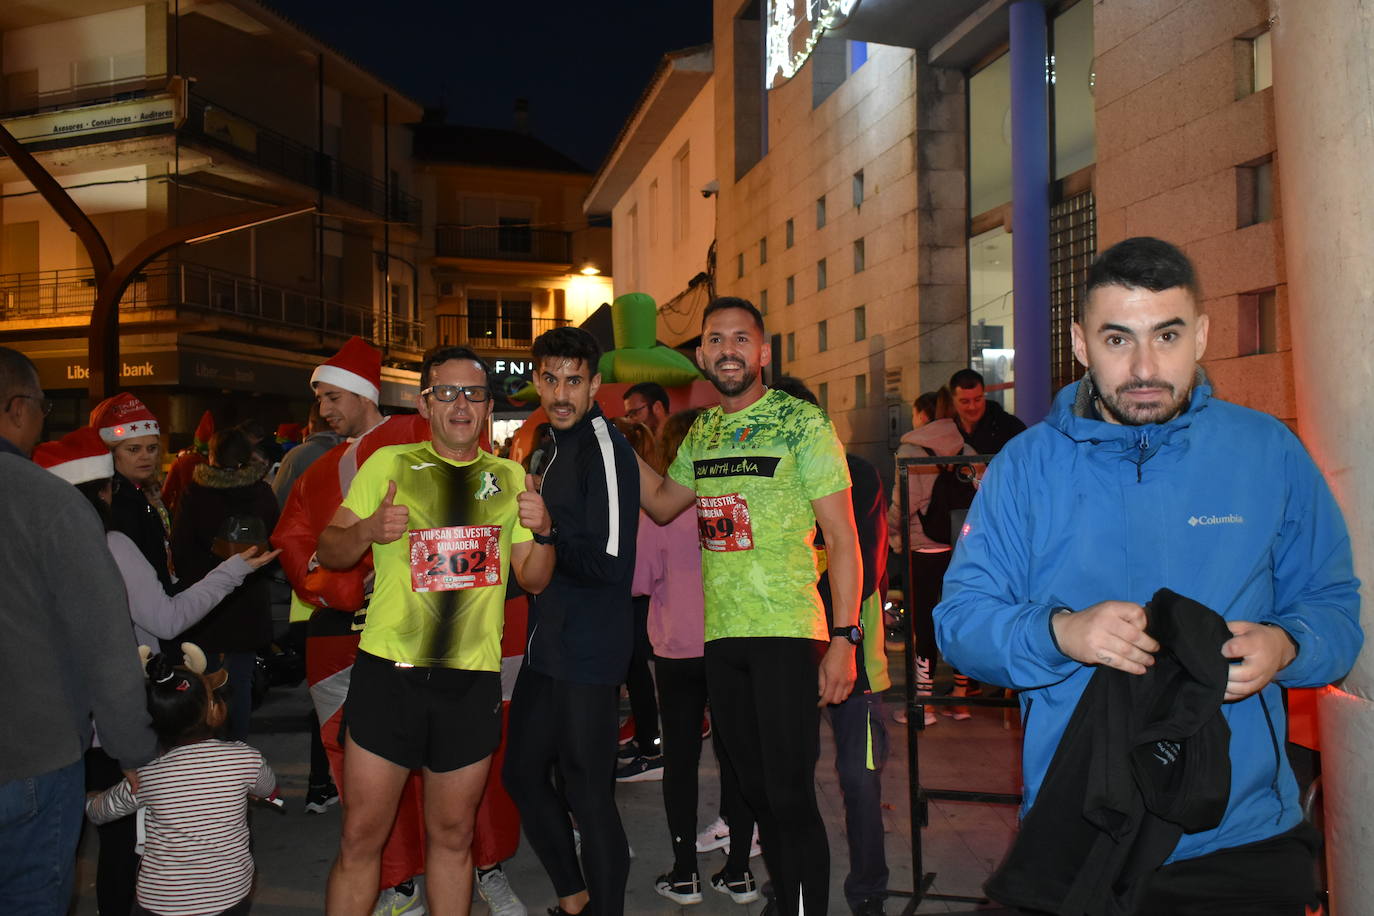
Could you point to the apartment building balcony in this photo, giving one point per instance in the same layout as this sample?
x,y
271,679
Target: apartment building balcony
x,y
191,298
515,248
116,110
264,148
489,333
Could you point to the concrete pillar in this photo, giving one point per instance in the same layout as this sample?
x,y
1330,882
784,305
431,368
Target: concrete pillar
x,y
1030,201
1324,114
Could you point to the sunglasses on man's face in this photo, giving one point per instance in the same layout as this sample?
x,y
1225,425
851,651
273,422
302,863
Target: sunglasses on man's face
x,y
475,394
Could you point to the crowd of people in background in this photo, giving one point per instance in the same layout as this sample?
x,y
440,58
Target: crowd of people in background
x,y
471,622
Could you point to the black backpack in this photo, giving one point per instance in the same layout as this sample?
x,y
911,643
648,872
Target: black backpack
x,y
950,498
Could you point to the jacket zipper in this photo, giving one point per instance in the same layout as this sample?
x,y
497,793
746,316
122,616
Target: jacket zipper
x,y
1144,446
1274,740
529,640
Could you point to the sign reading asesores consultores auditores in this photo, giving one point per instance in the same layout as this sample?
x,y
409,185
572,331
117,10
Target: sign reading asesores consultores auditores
x,y
92,119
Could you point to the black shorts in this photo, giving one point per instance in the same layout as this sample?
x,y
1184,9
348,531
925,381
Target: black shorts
x,y
441,719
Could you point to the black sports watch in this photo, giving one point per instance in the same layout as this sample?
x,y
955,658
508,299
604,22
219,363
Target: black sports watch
x,y
854,634
546,538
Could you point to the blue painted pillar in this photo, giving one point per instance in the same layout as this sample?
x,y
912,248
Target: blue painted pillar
x,y
1030,200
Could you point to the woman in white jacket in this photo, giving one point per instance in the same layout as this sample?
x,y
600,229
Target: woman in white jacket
x,y
82,459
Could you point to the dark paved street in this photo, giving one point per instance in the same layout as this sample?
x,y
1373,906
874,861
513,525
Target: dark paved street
x,y
962,845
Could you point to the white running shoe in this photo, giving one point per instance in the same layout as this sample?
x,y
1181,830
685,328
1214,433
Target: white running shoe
x,y
715,836
395,902
494,887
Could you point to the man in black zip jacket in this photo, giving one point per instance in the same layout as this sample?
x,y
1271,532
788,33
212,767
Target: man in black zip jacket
x,y
565,707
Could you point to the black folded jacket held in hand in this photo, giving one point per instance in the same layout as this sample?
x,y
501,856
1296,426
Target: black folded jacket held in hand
x,y
1144,759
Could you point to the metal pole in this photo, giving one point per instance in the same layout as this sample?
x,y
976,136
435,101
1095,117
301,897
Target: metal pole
x,y
1030,196
386,221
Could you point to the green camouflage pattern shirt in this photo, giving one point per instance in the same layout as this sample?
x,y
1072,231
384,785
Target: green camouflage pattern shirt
x,y
755,473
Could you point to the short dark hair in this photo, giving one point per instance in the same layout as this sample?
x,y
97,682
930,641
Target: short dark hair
x,y
17,374
966,378
230,448
253,428
567,342
721,303
790,384
442,354
651,392
1141,263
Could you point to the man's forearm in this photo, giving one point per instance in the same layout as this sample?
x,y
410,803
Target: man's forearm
x,y
845,582
654,497
535,569
341,548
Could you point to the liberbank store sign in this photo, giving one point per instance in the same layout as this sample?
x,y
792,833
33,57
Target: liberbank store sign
x,y
179,367
795,27
91,120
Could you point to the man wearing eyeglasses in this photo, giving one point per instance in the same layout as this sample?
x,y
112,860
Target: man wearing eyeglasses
x,y
447,523
647,403
64,611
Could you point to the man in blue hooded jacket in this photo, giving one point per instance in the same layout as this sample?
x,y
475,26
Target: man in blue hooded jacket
x,y
1139,479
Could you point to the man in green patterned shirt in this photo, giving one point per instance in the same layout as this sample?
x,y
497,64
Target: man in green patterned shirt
x,y
763,469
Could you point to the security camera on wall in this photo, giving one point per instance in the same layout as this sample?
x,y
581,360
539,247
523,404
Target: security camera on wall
x,y
711,189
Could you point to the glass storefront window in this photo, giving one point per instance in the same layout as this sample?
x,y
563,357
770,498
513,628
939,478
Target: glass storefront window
x,y
1074,118
989,140
991,343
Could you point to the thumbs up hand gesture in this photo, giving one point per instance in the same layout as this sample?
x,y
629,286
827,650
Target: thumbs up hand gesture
x,y
534,515
390,520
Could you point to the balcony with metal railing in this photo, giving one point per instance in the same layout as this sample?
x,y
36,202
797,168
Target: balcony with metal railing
x,y
219,127
214,125
65,297
503,243
492,332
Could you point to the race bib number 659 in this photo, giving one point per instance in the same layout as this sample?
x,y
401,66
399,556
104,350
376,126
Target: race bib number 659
x,y
448,559
723,522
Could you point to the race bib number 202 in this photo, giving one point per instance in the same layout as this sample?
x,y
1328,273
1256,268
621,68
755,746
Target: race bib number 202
x,y
448,559
723,522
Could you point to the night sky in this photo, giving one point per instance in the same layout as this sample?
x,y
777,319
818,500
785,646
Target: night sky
x,y
581,65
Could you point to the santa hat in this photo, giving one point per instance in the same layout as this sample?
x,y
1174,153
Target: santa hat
x,y
204,430
123,417
356,368
77,457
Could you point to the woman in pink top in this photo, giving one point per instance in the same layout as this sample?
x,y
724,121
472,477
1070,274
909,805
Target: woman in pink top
x,y
668,569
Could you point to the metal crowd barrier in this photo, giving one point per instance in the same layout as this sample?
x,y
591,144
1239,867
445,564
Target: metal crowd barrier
x,y
920,795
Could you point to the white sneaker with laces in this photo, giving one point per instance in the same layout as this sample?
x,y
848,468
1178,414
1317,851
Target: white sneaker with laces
x,y
494,888
715,836
393,902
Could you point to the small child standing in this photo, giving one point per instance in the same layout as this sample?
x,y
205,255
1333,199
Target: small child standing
x,y
196,856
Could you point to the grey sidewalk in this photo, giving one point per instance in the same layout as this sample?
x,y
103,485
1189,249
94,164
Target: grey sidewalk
x,y
962,845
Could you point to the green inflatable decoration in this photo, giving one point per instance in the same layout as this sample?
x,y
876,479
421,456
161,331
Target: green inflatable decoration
x,y
637,357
